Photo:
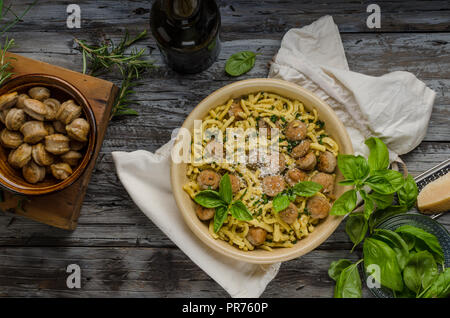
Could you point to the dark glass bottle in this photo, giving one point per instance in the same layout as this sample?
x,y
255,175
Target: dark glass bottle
x,y
187,33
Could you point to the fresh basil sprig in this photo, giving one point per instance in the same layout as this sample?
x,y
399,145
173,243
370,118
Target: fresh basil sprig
x,y
240,63
406,259
348,281
372,174
302,189
223,202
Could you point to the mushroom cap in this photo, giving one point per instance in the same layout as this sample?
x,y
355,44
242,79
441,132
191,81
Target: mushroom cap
x,y
15,118
35,108
39,93
8,100
11,139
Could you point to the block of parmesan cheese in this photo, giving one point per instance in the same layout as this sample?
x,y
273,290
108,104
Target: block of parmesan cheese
x,y
435,196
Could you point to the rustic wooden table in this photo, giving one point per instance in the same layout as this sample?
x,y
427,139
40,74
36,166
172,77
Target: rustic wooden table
x,y
121,253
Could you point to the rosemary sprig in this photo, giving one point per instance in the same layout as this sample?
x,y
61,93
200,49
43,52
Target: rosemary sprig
x,y
101,59
5,62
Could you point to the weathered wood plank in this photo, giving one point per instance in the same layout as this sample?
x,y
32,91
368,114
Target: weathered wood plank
x,y
145,272
268,19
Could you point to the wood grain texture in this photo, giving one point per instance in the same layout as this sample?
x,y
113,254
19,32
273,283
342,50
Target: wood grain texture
x,y
120,251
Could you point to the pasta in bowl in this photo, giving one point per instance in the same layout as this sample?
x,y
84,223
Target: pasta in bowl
x,y
254,170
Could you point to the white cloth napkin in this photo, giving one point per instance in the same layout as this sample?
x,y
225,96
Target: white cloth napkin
x,y
395,107
146,177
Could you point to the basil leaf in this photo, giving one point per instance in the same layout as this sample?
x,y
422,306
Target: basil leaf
x,y
382,201
409,240
353,167
280,202
379,253
396,242
379,154
385,181
225,191
219,217
209,199
345,204
347,182
420,271
356,228
337,267
430,241
382,214
407,195
240,63
348,284
440,287
306,188
239,211
369,206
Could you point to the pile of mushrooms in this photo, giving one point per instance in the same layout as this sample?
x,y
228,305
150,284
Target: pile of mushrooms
x,y
43,135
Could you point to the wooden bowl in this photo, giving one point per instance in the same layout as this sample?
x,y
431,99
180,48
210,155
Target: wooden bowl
x,y
334,128
11,179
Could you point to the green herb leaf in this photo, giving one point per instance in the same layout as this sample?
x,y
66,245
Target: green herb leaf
x,y
347,182
306,188
345,204
420,271
369,206
225,191
240,63
379,154
280,202
382,201
440,287
396,242
356,228
348,284
353,167
239,211
337,267
385,181
382,214
209,199
407,195
219,217
430,241
379,253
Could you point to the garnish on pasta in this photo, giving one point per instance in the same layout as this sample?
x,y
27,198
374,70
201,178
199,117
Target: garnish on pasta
x,y
254,198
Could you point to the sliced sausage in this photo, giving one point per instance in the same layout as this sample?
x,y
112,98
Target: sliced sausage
x,y
272,185
307,162
208,179
295,130
301,149
327,162
294,176
326,180
318,207
204,214
235,184
290,214
256,236
236,110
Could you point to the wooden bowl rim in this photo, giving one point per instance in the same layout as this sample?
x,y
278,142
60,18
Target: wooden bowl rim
x,y
200,229
74,92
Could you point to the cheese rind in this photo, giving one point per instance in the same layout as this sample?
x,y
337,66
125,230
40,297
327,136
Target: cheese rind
x,y
435,196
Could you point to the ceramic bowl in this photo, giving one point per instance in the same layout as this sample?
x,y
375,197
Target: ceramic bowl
x,y
334,128
11,179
